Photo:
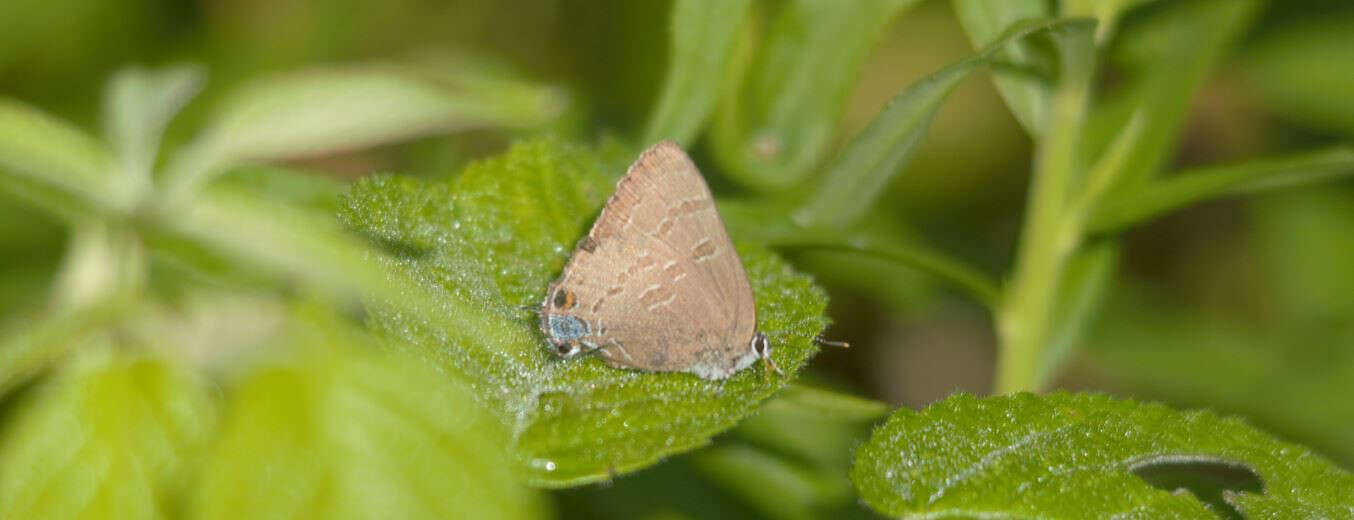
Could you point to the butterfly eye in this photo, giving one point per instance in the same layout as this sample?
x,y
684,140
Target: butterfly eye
x,y
563,299
761,345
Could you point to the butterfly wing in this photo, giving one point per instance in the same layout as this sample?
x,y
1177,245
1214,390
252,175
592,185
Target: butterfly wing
x,y
657,277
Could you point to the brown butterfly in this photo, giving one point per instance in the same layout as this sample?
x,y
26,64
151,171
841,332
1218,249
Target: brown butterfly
x,y
656,284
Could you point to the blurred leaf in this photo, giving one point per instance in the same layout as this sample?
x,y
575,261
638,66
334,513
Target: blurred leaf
x,y
1165,57
139,105
777,487
291,187
356,436
775,129
865,167
60,167
1305,71
748,221
828,404
111,440
1079,455
799,448
1303,237
105,260
1166,195
674,490
813,426
1292,381
986,21
496,235
321,112
31,345
288,243
1106,12
700,59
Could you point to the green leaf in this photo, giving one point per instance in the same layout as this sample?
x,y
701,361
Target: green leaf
x,y
1164,57
700,59
1106,12
747,220
1163,196
1305,71
495,236
1079,455
865,167
287,243
356,436
776,128
325,111
47,160
986,21
107,438
139,105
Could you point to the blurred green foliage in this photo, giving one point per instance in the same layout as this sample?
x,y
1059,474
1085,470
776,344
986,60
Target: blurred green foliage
x,y
201,315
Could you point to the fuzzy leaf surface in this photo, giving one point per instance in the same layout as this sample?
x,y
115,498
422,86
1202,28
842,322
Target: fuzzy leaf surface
x,y
1078,456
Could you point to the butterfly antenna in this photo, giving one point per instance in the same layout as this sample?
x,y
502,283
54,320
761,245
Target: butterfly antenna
x,y
770,367
824,342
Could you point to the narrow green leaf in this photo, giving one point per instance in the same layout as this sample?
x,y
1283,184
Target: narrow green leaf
x,y
1190,187
139,105
747,220
1106,13
56,162
828,403
985,21
1079,455
812,426
349,435
1305,70
865,167
1164,59
702,39
326,111
105,439
777,127
496,235
285,241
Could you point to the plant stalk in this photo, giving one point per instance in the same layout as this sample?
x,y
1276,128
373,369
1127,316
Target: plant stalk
x,y
1052,230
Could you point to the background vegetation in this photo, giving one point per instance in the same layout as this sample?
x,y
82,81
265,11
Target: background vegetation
x,y
269,258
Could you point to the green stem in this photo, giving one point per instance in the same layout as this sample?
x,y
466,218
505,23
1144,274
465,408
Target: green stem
x,y
1051,231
